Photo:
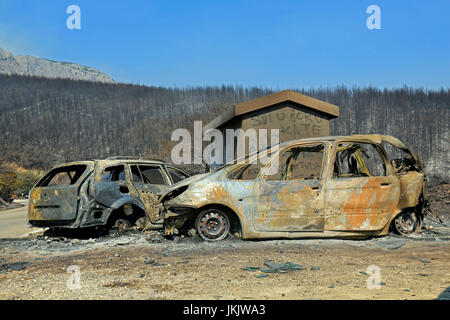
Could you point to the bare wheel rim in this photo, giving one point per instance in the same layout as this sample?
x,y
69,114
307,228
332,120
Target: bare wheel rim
x,y
407,223
213,225
122,224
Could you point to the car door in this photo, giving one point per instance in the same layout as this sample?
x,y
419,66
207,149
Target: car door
x,y
111,185
289,195
361,192
148,181
56,195
241,181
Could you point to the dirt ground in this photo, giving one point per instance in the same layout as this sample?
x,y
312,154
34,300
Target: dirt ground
x,y
132,265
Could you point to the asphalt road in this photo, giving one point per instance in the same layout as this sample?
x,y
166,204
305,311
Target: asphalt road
x,y
13,222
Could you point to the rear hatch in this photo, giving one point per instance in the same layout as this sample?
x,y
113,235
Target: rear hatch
x,y
55,196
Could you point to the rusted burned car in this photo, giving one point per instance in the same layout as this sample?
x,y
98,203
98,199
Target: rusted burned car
x,y
348,186
117,191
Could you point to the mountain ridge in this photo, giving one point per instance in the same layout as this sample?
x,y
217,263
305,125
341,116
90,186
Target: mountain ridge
x,y
32,66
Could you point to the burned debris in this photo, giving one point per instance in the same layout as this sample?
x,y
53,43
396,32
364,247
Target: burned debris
x,y
271,266
347,186
113,193
13,266
344,186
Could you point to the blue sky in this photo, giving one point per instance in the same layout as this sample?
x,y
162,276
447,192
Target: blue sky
x,y
278,44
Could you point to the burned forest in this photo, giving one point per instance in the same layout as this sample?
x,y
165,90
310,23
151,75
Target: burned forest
x,y
44,122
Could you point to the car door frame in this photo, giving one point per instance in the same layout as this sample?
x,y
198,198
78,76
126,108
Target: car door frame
x,y
311,188
66,197
359,203
147,192
116,192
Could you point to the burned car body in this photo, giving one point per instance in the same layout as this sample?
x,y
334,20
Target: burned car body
x,y
344,186
100,192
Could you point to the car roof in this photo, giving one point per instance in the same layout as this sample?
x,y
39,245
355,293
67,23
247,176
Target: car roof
x,y
106,162
118,161
375,138
75,163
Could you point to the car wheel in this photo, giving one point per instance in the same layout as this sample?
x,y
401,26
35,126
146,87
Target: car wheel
x,y
122,224
407,222
212,225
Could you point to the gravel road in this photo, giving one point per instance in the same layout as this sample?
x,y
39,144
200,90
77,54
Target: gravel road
x,y
135,265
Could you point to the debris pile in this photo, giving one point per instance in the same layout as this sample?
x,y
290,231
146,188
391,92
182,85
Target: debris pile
x,y
14,266
5,205
273,267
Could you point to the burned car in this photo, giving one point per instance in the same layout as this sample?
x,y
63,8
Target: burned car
x,y
348,186
117,191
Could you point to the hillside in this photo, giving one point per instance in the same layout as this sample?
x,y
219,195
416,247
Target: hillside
x,y
32,66
46,121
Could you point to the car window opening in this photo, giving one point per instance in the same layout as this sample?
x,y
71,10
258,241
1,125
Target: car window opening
x,y
176,175
152,175
358,160
116,173
63,176
136,174
401,160
249,171
298,163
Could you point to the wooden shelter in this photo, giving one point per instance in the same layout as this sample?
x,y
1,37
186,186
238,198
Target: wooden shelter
x,y
294,114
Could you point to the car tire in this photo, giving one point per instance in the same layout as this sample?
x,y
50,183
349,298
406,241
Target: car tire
x,y
212,224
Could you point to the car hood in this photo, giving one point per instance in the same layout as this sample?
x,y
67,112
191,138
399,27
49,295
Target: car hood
x,y
183,183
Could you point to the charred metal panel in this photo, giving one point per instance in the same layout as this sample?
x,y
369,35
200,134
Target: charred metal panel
x,y
54,203
108,193
57,202
411,186
289,206
365,203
